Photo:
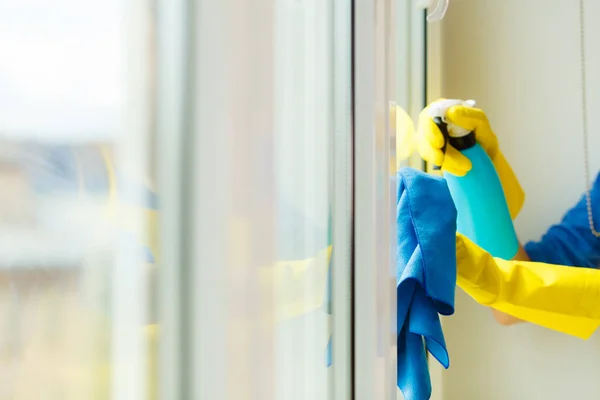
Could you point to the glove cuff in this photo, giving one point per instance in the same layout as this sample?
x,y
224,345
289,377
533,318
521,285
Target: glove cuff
x,y
513,192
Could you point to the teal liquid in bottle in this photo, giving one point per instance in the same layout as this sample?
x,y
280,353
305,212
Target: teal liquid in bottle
x,y
483,214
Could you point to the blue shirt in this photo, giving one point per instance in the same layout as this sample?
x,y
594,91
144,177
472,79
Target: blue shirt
x,y
571,242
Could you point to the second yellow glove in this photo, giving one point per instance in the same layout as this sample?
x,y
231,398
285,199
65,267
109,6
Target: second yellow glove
x,y
561,298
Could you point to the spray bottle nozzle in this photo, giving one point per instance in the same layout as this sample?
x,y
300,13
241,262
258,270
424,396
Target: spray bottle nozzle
x,y
458,137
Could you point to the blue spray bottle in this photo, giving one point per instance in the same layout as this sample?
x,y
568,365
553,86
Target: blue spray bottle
x,y
483,214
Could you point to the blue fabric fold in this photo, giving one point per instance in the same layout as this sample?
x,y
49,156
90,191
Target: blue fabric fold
x,y
426,276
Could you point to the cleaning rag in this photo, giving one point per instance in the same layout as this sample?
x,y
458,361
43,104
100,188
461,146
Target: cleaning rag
x,y
426,276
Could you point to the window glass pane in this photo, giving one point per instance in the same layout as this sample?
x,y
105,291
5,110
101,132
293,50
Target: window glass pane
x,y
303,148
77,206
263,126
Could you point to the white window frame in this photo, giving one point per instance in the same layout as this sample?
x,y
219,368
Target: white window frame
x,y
432,72
375,332
343,177
174,134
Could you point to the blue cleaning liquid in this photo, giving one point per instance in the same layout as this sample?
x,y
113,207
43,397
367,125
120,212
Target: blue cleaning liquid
x,y
483,214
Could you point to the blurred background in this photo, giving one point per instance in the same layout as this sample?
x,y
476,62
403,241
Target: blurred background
x,y
79,246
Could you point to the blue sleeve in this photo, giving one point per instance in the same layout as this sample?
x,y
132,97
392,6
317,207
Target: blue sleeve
x,y
571,242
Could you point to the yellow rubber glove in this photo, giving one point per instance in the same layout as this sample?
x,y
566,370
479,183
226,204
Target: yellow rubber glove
x,y
431,141
561,298
405,133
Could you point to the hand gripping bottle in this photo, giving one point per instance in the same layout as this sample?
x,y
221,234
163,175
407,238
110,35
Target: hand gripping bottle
x,y
483,214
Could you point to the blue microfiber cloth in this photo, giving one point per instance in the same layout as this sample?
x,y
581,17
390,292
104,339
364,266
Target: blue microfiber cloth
x,y
426,276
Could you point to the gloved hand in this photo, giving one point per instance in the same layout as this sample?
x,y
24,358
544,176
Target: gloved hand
x,y
405,134
561,298
431,141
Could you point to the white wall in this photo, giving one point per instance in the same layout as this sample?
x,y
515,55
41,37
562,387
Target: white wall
x,y
520,60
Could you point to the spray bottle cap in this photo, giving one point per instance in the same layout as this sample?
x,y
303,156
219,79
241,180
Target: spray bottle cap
x,y
438,7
